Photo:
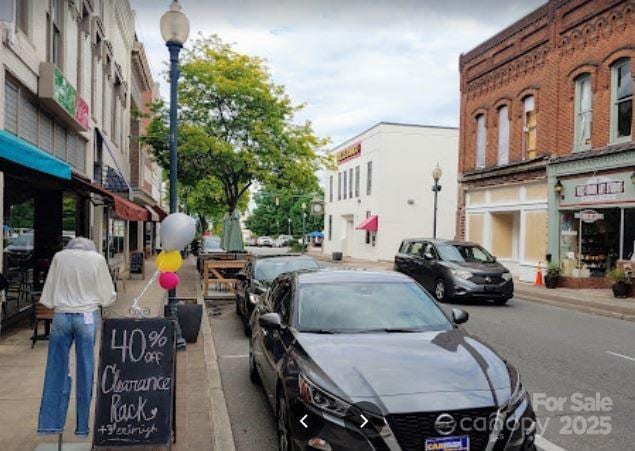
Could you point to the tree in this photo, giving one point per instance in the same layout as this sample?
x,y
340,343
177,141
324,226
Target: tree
x,y
236,126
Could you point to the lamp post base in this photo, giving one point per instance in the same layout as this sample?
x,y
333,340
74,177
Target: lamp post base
x,y
171,311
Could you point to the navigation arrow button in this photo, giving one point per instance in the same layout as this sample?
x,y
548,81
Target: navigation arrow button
x,y
303,423
365,420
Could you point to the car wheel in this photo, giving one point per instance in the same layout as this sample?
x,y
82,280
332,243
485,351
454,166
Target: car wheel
x,y
440,292
254,377
284,436
501,301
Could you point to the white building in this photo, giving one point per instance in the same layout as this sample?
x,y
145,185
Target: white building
x,y
384,178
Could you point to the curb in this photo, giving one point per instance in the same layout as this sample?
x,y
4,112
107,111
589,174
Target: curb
x,y
222,435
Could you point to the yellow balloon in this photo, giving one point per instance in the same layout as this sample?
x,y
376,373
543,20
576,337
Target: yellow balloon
x,y
169,261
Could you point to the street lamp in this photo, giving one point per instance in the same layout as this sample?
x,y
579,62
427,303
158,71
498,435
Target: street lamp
x,y
289,220
303,226
175,28
436,175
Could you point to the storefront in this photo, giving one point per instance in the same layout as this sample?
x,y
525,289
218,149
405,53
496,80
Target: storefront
x,y
592,213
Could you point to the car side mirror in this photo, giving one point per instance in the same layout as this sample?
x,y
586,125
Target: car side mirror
x,y
459,316
428,256
270,321
494,259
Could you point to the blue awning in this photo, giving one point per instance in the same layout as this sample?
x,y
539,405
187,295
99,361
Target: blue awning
x,y
26,154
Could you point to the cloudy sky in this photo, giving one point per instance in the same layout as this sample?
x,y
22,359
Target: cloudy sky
x,y
352,62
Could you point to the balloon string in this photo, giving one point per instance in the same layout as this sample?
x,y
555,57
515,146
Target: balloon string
x,y
135,310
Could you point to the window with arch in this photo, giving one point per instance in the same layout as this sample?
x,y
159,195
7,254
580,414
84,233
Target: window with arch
x,y
503,135
583,113
481,131
621,100
529,127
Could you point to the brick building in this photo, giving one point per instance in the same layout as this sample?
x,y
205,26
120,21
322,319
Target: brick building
x,y
545,104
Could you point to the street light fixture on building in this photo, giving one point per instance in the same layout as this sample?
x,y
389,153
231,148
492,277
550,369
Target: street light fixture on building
x,y
558,188
175,28
436,176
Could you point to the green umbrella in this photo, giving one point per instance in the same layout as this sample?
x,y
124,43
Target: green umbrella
x,y
232,235
225,234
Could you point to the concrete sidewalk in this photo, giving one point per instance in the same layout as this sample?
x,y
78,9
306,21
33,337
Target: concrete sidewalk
x,y
22,376
594,301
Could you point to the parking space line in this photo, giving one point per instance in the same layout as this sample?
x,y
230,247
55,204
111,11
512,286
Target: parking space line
x,y
546,445
621,355
235,356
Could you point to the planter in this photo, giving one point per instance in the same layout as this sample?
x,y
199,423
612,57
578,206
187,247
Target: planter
x,y
190,321
551,281
621,289
336,256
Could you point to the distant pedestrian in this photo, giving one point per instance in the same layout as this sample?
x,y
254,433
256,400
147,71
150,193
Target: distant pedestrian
x,y
78,283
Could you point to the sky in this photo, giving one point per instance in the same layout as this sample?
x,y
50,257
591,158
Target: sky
x,y
353,63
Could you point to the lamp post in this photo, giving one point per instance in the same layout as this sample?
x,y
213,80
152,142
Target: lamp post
x,y
175,28
436,175
289,222
303,226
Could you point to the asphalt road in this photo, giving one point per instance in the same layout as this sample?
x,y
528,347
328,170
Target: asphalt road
x,y
560,354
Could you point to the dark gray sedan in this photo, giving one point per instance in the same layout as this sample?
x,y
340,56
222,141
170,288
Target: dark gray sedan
x,y
367,361
455,270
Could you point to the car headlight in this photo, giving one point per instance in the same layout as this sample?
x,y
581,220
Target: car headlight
x,y
461,273
507,276
254,298
315,396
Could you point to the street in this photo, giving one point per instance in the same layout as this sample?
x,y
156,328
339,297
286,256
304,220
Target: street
x,y
558,352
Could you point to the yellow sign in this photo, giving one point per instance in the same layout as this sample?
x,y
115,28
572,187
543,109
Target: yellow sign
x,y
351,152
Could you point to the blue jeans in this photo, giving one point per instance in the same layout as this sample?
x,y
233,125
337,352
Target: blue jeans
x,y
66,328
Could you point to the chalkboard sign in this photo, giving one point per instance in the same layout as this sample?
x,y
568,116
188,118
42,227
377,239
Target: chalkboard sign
x,y
137,263
135,383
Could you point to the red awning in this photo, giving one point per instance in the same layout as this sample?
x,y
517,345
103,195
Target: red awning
x,y
154,216
127,209
371,224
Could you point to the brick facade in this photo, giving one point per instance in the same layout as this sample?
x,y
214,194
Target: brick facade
x,y
541,55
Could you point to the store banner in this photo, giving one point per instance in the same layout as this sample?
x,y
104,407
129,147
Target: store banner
x,y
61,97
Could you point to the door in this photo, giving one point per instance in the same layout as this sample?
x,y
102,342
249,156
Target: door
x,y
347,239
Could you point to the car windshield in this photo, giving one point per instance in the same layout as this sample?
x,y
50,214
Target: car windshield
x,y
211,243
270,268
24,240
464,253
367,307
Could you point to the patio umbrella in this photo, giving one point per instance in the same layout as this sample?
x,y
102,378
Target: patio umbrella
x,y
232,235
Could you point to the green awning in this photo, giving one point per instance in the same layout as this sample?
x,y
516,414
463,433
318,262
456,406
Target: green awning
x,y
19,151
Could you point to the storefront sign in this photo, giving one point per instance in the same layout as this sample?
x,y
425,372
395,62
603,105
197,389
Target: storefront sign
x,y
599,186
61,98
81,112
589,216
349,153
64,93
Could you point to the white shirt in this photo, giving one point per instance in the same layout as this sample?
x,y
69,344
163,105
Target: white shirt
x,y
78,281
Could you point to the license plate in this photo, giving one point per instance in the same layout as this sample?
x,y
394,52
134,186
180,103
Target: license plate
x,y
459,443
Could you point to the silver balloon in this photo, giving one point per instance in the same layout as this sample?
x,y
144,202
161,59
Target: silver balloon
x,y
177,231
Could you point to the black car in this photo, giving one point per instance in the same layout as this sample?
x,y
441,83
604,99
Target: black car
x,y
255,278
455,269
367,361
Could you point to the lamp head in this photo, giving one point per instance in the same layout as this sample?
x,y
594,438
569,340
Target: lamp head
x,y
175,27
437,173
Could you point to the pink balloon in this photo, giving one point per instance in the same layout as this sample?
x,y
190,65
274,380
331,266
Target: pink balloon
x,y
168,280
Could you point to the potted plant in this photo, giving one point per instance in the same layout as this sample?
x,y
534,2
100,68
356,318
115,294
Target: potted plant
x,y
621,282
553,275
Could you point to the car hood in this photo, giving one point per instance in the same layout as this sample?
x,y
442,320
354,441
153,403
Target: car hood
x,y
480,268
407,368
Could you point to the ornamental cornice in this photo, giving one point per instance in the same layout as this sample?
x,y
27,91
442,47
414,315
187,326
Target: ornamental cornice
x,y
591,32
593,162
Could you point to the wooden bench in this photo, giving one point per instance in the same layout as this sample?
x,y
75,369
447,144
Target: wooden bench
x,y
41,313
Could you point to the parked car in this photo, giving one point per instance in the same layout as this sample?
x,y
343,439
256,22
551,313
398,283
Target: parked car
x,y
209,245
283,241
264,241
251,241
368,360
455,270
255,278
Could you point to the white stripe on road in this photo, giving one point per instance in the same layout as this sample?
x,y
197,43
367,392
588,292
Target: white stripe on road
x,y
546,445
621,355
234,356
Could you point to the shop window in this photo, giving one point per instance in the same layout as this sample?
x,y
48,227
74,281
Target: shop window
x,y
69,217
367,232
339,186
529,127
344,184
350,183
622,100
503,135
369,177
480,140
330,188
330,227
583,113
117,233
356,181
11,107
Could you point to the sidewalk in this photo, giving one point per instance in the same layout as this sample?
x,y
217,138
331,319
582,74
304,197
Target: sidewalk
x,y
22,376
594,301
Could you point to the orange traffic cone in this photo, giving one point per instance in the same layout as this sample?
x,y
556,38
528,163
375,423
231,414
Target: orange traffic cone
x,y
538,281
